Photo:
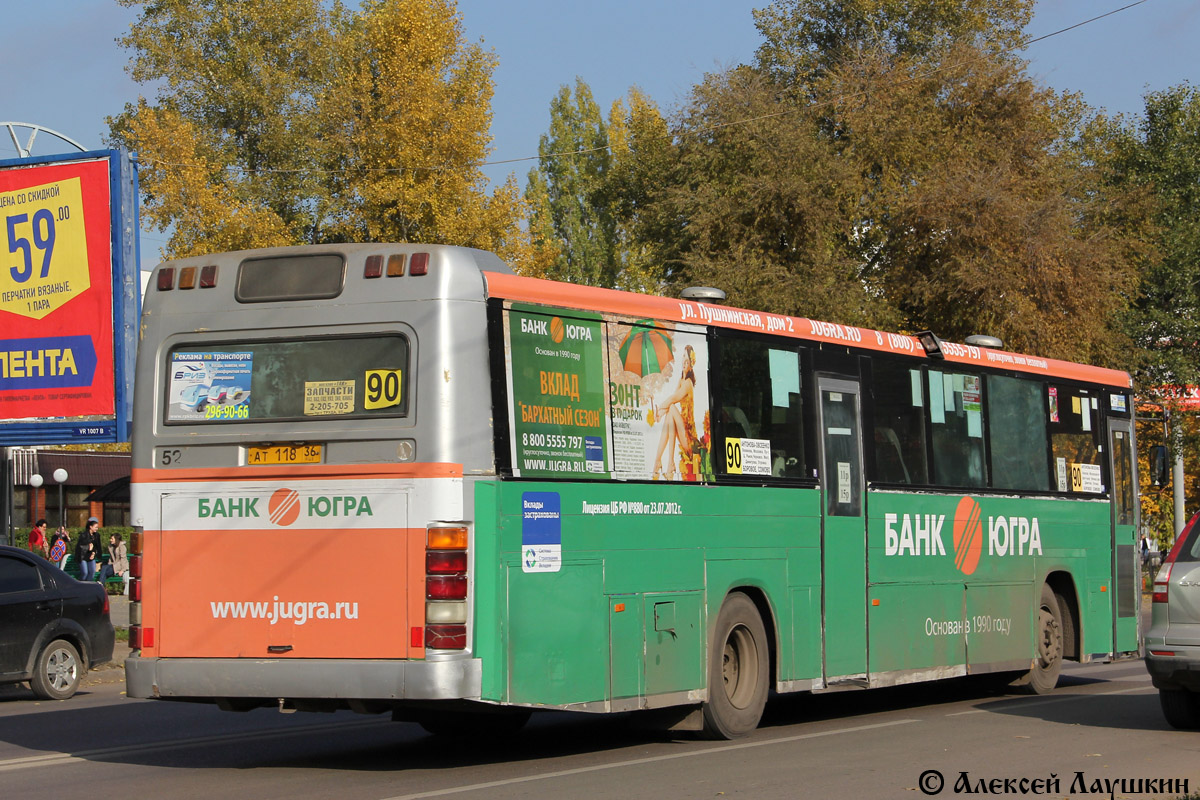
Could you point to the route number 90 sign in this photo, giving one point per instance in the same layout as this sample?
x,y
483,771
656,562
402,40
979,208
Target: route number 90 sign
x,y
56,289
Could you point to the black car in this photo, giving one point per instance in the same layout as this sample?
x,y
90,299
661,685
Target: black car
x,y
53,628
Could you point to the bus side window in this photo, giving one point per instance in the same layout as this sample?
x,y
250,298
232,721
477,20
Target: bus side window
x,y
761,401
1016,414
898,442
956,419
1075,440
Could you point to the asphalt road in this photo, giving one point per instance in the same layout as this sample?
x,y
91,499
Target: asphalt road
x,y
1103,722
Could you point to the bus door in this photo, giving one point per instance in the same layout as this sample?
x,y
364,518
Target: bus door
x,y
844,536
1126,568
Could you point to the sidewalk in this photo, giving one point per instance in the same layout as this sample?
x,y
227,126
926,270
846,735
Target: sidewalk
x,y
113,671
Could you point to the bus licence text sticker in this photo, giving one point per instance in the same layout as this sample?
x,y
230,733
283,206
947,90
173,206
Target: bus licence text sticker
x,y
328,397
541,532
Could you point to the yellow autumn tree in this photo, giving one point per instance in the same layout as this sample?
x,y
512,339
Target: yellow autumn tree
x,y
301,121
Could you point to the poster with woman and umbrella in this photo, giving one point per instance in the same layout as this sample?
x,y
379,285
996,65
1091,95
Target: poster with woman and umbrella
x,y
661,422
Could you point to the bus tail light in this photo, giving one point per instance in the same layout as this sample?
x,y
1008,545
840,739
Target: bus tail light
x,y
137,637
187,278
373,267
446,587
208,276
446,581
446,637
140,637
166,279
445,613
419,264
449,538
446,562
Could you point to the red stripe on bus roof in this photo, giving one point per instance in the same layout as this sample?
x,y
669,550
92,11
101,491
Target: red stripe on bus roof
x,y
592,298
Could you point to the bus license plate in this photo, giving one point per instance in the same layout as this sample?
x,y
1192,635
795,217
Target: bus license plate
x,y
284,454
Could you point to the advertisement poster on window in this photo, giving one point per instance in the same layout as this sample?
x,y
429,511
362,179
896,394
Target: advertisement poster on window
x,y
557,394
661,423
209,386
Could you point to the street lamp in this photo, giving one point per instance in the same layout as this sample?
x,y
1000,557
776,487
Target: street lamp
x,y
60,475
36,482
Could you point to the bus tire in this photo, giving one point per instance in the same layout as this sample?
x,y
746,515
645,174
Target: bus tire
x,y
738,670
1043,674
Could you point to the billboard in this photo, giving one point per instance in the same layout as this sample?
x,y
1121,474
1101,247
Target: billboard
x,y
69,297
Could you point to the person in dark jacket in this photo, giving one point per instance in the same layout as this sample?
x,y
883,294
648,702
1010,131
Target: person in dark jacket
x,y
87,548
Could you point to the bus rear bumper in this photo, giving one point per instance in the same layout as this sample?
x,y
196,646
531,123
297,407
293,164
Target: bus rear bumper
x,y
344,679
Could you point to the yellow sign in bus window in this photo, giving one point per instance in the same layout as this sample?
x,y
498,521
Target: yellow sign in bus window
x,y
328,397
383,388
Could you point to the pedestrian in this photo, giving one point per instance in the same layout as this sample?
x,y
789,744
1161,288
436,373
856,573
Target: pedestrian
x,y
118,563
1145,548
58,547
87,548
37,539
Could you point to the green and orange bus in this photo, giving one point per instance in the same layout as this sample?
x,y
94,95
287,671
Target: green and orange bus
x,y
401,478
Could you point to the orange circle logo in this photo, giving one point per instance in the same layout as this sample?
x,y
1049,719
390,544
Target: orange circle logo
x,y
556,330
284,506
968,535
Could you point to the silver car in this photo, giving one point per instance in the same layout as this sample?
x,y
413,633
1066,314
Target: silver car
x,y
1173,641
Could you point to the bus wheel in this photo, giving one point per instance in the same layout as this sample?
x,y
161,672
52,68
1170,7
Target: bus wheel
x,y
471,724
1043,677
737,670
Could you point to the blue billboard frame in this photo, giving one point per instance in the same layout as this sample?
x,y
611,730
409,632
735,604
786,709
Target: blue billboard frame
x,y
124,226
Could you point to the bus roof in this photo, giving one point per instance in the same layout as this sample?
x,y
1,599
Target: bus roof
x,y
591,298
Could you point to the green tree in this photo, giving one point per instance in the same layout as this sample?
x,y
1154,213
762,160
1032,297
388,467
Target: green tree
x,y
298,121
979,215
804,38
573,165
642,152
760,204
1159,154
890,164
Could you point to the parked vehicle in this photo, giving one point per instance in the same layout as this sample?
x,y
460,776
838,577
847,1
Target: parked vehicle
x,y
53,628
1173,641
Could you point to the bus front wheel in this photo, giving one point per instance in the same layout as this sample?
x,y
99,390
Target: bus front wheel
x,y
1043,675
737,670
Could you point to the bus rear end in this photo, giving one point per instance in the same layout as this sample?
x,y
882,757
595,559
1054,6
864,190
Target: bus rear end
x,y
305,420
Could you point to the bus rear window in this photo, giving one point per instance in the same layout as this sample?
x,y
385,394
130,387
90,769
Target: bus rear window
x,y
345,377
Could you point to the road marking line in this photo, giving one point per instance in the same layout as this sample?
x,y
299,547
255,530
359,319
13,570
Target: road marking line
x,y
474,787
54,759
1033,703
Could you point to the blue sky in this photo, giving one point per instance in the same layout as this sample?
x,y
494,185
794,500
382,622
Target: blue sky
x,y
64,71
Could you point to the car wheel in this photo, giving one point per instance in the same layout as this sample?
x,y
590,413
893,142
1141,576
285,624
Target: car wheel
x,y
1180,707
58,670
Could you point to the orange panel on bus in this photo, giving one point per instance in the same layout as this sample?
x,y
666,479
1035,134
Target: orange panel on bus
x,y
289,593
